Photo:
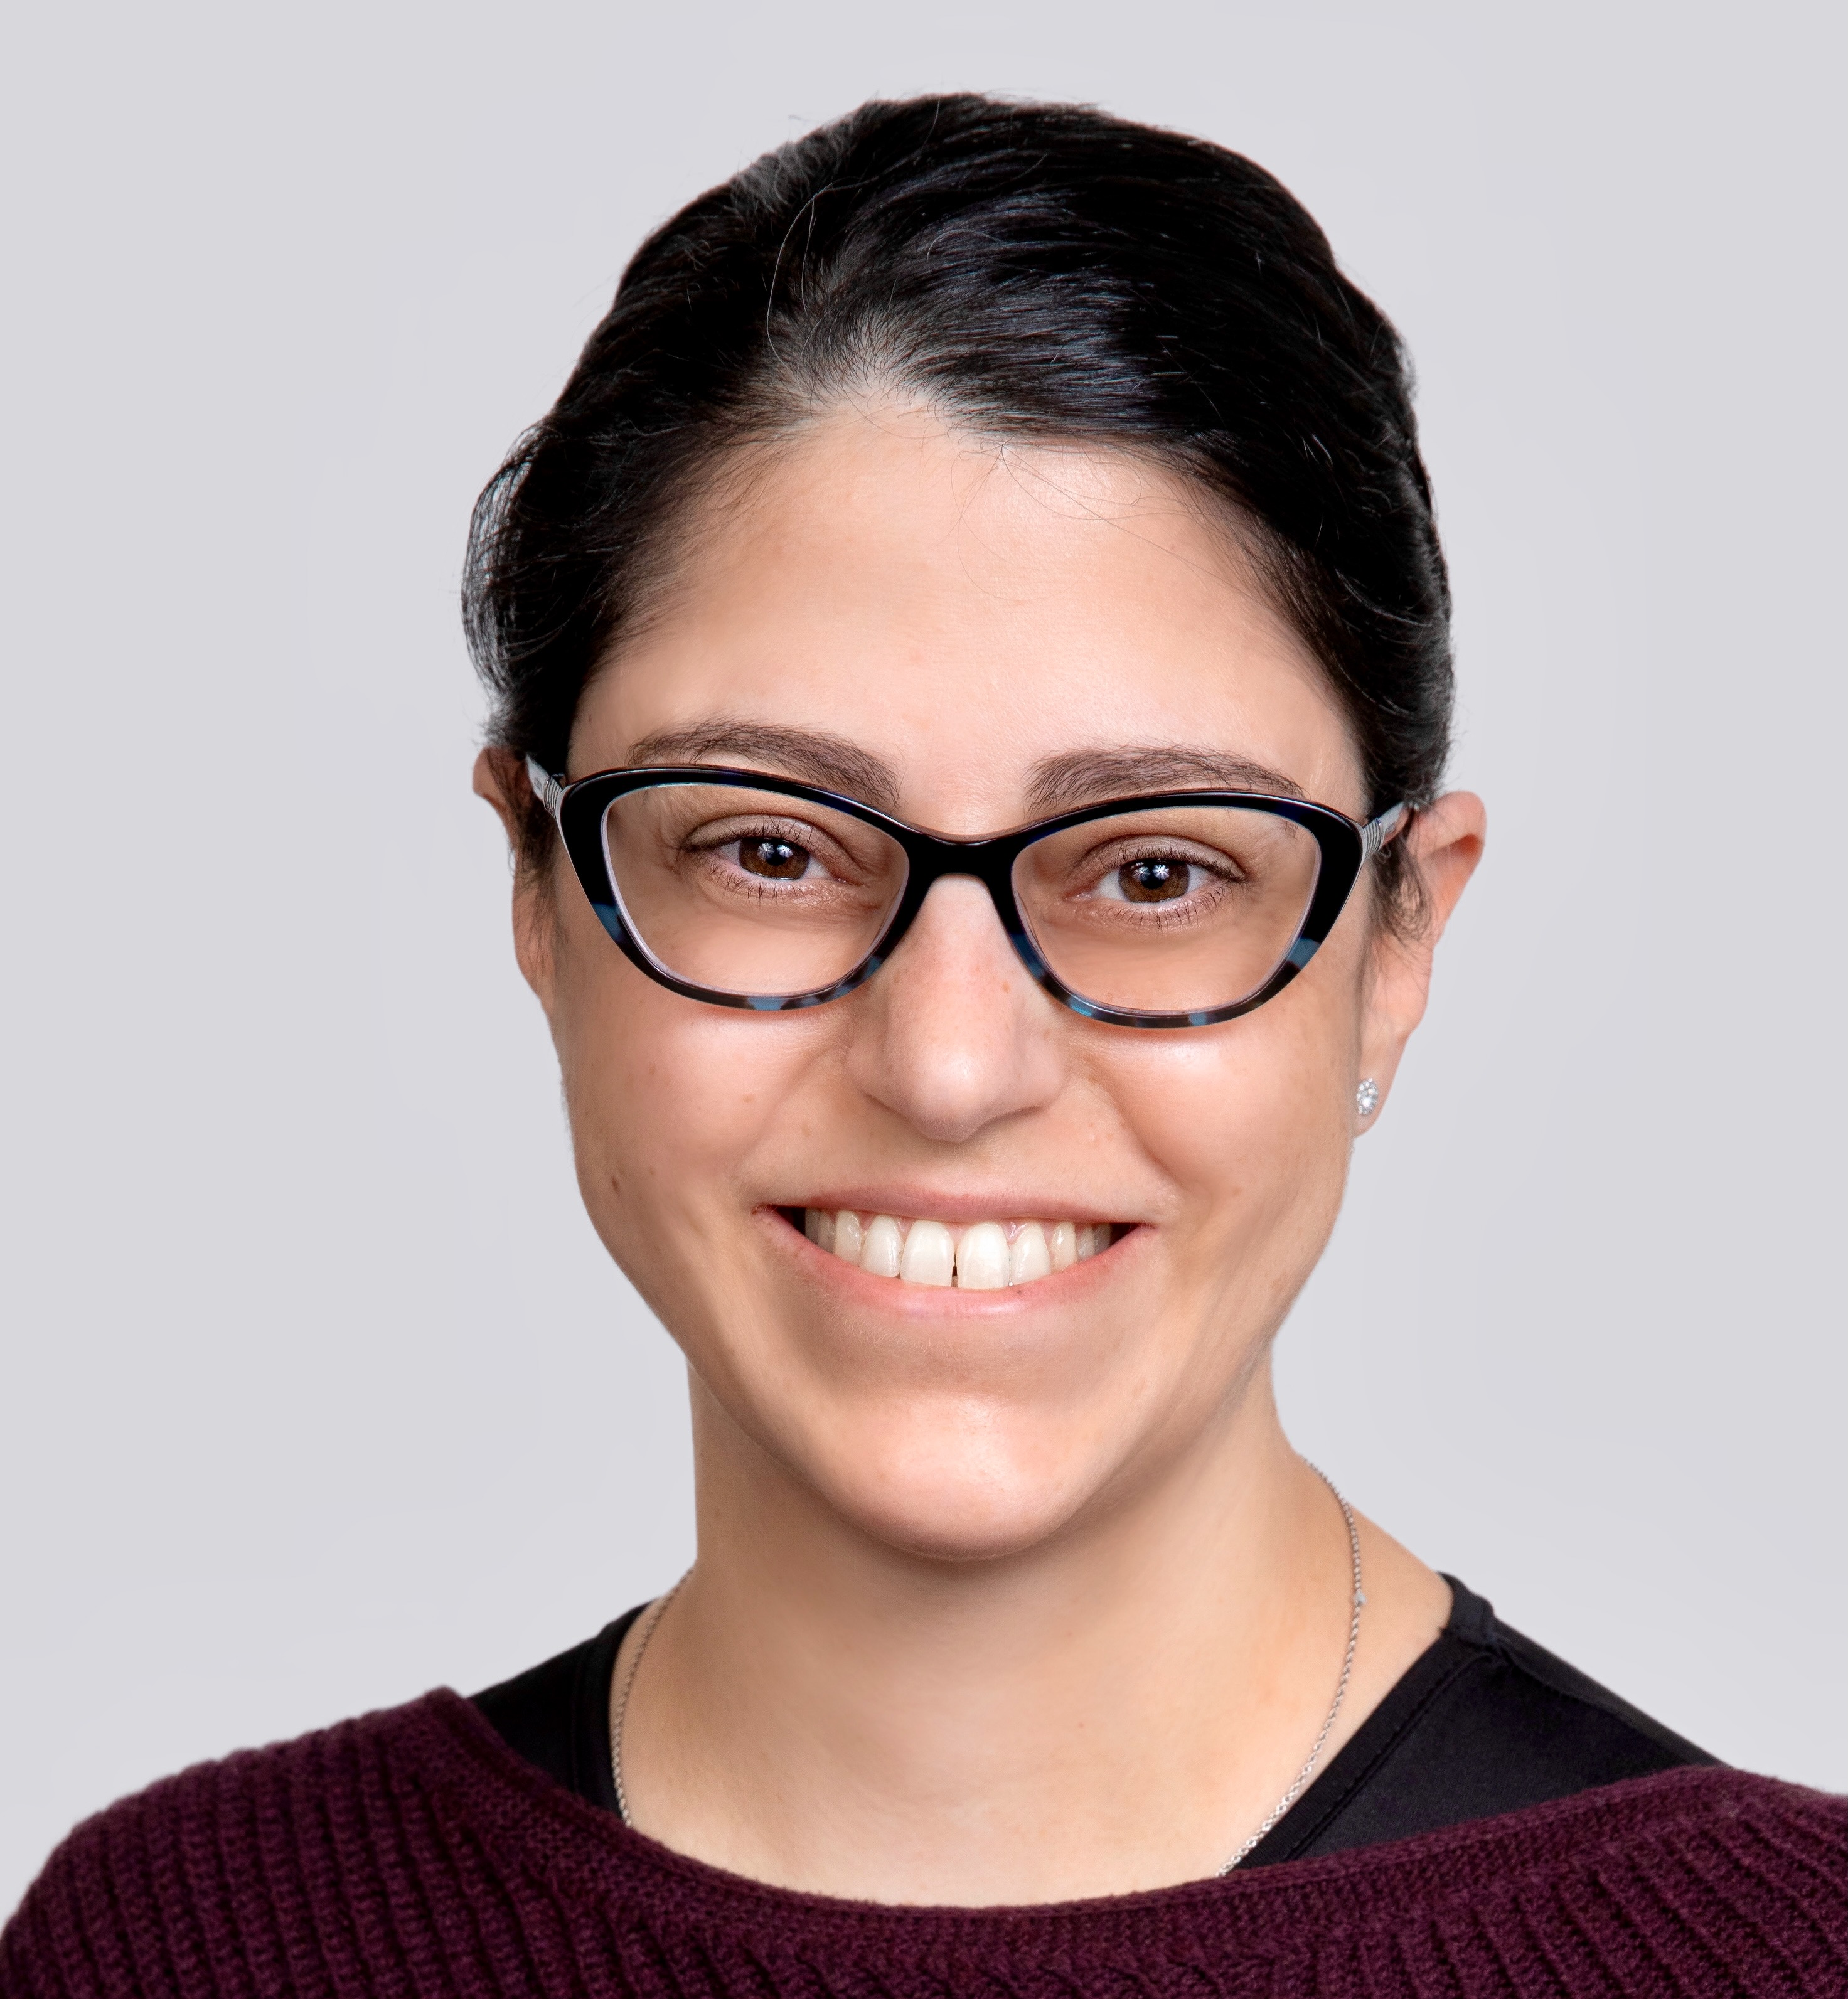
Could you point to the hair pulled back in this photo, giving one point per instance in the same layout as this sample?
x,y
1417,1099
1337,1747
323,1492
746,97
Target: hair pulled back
x,y
1038,271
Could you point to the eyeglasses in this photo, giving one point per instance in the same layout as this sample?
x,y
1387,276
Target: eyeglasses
x,y
1176,910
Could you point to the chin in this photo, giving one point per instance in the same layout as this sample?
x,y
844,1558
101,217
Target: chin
x,y
955,1486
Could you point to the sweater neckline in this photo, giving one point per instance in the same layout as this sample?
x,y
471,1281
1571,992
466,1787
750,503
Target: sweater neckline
x,y
496,1796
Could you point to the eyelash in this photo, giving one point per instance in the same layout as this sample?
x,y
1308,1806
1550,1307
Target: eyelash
x,y
1228,872
810,846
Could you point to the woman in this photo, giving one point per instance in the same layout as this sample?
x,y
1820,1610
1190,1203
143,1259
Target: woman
x,y
970,658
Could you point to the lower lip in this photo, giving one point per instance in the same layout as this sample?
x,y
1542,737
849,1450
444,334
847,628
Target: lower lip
x,y
893,1295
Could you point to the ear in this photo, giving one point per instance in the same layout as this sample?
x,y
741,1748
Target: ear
x,y
501,778
1445,842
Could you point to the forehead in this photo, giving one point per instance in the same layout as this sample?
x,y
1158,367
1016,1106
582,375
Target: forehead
x,y
967,616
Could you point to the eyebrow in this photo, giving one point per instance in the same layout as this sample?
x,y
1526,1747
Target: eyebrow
x,y
810,754
1080,776
1075,777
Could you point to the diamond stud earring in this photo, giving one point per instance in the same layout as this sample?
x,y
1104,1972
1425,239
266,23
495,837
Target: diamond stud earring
x,y
1366,1098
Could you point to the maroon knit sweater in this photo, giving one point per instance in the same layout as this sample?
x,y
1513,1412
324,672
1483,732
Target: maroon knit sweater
x,y
412,1853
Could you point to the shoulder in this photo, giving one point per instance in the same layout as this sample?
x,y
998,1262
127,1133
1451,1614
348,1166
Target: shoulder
x,y
237,1860
1503,1704
1483,1724
1603,1725
1697,1878
556,1715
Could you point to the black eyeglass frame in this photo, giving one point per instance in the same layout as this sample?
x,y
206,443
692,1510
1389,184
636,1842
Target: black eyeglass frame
x,y
578,808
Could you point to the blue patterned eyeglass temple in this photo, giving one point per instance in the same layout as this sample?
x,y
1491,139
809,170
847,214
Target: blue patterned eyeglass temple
x,y
1167,909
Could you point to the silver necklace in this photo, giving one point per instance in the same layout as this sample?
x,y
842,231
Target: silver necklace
x,y
619,1712
1353,1638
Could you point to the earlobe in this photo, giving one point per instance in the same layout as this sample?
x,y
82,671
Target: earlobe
x,y
535,939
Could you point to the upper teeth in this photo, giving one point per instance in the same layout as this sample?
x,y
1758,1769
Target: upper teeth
x,y
985,1256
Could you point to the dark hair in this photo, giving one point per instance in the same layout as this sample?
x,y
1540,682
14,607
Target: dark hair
x,y
1035,271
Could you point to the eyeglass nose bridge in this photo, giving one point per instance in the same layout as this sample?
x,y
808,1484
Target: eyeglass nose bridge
x,y
931,859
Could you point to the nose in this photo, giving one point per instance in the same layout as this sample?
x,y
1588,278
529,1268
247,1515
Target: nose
x,y
952,1035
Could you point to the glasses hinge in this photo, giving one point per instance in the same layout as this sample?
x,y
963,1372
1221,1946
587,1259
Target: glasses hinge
x,y
546,788
1377,832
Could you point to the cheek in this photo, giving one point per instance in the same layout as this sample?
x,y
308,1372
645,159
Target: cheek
x,y
1246,1121
667,1099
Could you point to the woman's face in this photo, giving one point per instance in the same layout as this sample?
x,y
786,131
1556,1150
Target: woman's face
x,y
970,637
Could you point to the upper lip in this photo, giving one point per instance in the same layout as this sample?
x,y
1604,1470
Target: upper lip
x,y
924,1204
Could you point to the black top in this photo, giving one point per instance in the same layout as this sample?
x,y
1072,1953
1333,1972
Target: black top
x,y
1482,1722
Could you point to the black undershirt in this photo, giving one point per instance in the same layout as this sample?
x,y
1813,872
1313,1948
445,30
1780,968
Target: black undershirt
x,y
1482,1722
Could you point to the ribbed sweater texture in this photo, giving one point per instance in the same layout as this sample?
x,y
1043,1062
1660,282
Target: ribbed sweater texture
x,y
410,1852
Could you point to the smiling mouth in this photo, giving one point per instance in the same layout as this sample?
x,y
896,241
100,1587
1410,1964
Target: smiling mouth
x,y
974,1257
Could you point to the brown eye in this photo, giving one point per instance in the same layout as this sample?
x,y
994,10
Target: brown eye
x,y
781,860
1153,881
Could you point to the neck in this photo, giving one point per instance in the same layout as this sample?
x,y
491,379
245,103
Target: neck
x,y
1115,1709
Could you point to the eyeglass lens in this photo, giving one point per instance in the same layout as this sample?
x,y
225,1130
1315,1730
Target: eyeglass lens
x,y
1170,909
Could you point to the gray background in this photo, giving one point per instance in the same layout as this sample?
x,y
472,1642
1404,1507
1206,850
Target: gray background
x,y
317,1390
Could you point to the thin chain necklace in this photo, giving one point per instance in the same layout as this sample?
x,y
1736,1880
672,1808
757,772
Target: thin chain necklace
x,y
1353,1638
619,1712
